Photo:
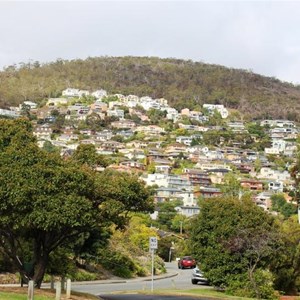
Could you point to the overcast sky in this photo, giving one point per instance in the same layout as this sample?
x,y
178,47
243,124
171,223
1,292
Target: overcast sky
x,y
263,36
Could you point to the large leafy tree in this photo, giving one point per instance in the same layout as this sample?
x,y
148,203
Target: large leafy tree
x,y
286,267
232,237
46,202
87,154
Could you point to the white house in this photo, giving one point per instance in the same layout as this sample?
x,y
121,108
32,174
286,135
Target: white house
x,y
277,123
57,101
69,92
99,94
31,104
119,113
9,113
219,108
276,186
186,140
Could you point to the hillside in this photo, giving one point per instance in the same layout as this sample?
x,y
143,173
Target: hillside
x,y
183,83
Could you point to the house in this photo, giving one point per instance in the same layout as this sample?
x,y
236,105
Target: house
x,y
137,145
30,104
278,123
270,174
186,140
125,133
150,130
170,194
276,186
217,175
212,166
103,136
188,211
9,113
208,192
172,114
237,127
133,154
123,124
118,113
70,92
57,101
196,177
153,156
263,199
217,107
163,194
133,165
99,94
169,181
164,169
43,132
99,106
252,184
244,168
68,137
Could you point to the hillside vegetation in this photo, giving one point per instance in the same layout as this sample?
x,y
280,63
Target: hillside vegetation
x,y
183,83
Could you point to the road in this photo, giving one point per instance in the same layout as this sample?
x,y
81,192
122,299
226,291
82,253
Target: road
x,y
181,281
151,297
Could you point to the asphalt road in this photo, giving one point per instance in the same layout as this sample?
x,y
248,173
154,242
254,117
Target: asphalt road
x,y
149,297
181,281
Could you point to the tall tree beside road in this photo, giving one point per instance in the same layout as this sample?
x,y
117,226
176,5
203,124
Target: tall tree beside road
x,y
47,202
232,239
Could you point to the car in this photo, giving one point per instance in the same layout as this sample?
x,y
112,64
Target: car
x,y
186,262
198,277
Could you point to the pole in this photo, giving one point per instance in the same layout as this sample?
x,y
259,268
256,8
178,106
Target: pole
x,y
30,290
152,271
68,292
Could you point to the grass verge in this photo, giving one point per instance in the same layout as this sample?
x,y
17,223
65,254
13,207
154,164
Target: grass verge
x,y
17,293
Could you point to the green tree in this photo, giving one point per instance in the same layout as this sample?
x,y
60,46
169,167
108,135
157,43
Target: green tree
x,y
280,205
166,213
231,186
286,266
87,154
47,202
49,147
232,237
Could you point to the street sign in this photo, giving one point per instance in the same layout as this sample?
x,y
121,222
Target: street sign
x,y
153,243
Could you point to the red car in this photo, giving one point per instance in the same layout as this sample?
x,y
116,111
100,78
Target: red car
x,y
186,262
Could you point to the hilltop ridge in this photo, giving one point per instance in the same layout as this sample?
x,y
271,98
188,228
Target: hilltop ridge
x,y
183,83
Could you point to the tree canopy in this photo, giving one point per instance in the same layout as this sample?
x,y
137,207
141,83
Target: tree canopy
x,y
233,238
47,202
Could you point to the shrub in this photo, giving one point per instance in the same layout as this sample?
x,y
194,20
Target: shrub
x,y
241,286
120,264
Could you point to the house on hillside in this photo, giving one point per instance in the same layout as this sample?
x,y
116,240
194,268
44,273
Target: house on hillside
x,y
252,184
217,107
57,102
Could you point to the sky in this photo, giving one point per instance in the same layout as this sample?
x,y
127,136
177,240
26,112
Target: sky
x,y
261,36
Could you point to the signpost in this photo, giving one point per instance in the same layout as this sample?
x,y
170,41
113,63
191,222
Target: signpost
x,y
152,247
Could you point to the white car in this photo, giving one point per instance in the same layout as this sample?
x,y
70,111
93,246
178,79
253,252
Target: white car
x,y
198,277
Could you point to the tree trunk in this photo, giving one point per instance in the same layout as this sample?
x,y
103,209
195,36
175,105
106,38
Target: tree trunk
x,y
40,269
253,282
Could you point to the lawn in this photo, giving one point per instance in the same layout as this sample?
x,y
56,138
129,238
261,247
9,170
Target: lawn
x,y
13,296
17,293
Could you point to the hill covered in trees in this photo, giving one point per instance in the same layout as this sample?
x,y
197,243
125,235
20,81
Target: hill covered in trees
x,y
183,83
